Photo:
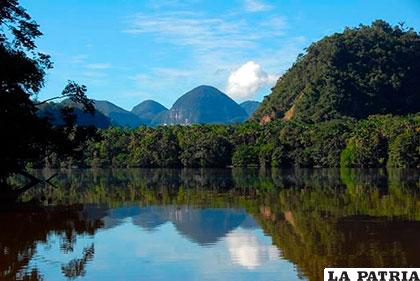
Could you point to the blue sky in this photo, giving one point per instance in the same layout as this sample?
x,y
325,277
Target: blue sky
x,y
126,51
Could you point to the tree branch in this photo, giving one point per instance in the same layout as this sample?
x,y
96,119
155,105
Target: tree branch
x,y
50,99
33,182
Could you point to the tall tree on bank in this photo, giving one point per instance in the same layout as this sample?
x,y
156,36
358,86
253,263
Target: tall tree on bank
x,y
25,137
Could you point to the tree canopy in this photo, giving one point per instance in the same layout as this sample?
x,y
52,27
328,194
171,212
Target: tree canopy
x,y
379,141
371,69
25,136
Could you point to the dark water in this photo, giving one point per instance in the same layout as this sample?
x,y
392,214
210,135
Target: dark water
x,y
211,224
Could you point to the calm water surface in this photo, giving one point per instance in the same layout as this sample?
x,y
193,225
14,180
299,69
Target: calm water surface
x,y
211,224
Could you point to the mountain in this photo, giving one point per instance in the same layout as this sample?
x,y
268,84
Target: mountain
x,y
118,116
148,110
203,105
206,226
106,114
367,70
202,226
250,106
52,111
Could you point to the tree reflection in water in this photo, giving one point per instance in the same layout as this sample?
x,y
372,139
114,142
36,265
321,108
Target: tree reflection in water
x,y
77,267
316,218
25,228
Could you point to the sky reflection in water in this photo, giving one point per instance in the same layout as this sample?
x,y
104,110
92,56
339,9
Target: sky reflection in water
x,y
171,243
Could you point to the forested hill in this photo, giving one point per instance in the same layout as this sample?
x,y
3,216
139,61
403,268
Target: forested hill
x,y
53,112
119,116
250,106
203,105
360,72
106,114
148,110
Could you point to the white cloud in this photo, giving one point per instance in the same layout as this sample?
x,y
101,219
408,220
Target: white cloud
x,y
256,6
244,82
171,4
213,46
94,74
213,68
98,66
205,33
78,59
274,26
172,72
188,29
247,250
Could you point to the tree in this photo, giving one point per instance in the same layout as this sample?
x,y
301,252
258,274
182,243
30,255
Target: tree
x,y
27,138
367,147
404,150
205,146
245,156
370,69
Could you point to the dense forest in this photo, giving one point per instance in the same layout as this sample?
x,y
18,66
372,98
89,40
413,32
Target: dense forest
x,y
370,69
380,140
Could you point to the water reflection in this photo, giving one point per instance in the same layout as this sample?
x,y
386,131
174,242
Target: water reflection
x,y
202,226
213,225
247,250
24,230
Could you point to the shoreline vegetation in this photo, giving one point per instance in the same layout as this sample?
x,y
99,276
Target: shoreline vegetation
x,y
379,141
352,100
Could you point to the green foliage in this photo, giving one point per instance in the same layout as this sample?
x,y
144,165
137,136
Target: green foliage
x,y
368,150
327,140
154,148
359,72
245,156
404,150
381,140
205,146
374,142
28,138
348,155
